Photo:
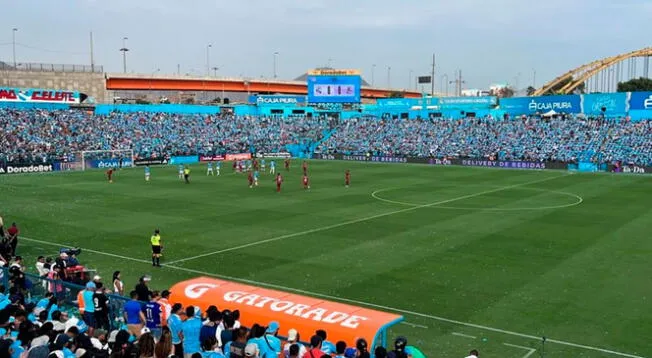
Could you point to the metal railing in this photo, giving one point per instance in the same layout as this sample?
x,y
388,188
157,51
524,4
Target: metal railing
x,y
51,67
66,294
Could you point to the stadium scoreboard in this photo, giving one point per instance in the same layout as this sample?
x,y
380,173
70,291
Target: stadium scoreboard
x,y
334,86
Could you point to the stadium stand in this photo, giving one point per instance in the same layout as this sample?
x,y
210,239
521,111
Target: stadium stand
x,y
38,135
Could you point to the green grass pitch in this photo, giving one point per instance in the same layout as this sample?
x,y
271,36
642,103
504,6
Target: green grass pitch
x,y
473,258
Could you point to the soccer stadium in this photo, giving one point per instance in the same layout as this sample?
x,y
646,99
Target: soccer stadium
x,y
322,211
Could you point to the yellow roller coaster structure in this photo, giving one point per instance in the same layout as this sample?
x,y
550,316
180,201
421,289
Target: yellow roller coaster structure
x,y
577,76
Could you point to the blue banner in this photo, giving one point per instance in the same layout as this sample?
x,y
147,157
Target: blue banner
x,y
468,102
396,102
640,100
531,105
614,104
188,159
108,163
277,100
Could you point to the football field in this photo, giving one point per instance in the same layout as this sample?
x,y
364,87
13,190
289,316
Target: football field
x,y
473,258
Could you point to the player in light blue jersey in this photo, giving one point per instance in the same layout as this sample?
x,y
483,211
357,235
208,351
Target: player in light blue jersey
x,y
256,175
209,170
147,173
218,166
181,172
272,167
262,165
248,164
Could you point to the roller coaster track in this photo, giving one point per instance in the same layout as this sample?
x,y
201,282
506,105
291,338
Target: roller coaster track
x,y
580,74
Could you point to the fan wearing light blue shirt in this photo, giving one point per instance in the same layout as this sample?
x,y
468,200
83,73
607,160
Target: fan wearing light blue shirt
x,y
191,329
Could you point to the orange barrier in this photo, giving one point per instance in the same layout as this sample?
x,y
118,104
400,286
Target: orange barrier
x,y
117,83
305,314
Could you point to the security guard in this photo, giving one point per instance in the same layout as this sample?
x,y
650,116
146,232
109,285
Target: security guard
x,y
156,248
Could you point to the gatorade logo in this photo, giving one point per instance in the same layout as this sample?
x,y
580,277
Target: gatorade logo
x,y
198,289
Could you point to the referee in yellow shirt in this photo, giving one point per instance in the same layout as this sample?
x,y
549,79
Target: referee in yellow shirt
x,y
156,248
186,174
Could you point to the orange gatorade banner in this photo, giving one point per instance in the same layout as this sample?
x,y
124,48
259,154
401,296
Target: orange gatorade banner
x,y
305,314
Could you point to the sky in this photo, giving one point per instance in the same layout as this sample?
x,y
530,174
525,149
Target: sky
x,y
391,42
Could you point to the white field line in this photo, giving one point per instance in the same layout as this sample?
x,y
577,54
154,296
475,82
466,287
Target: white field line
x,y
372,217
530,350
463,335
414,325
356,302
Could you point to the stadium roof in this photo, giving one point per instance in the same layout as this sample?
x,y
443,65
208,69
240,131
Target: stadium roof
x,y
304,77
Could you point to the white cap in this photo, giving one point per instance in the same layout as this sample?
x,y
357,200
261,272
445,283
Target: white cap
x,y
292,335
251,350
96,278
144,330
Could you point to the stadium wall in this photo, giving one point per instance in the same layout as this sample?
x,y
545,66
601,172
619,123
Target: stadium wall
x,y
92,84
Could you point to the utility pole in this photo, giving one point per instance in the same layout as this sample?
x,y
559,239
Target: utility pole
x,y
124,50
389,76
208,60
432,77
13,42
458,83
275,64
92,59
373,70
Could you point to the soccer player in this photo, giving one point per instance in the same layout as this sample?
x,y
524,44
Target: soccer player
x,y
306,182
181,172
287,164
279,181
250,178
186,175
147,173
235,165
209,170
256,175
272,167
255,164
109,175
262,165
218,166
240,166
156,248
305,168
347,178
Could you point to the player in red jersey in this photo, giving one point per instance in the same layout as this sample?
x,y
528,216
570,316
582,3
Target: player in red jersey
x,y
306,182
305,168
235,165
347,178
255,164
109,175
250,177
287,164
279,181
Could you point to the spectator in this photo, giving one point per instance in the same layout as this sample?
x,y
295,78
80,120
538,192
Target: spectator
x,y
118,285
42,271
362,348
166,308
153,315
399,348
211,348
12,238
293,339
474,354
236,348
326,346
101,301
146,346
251,351
315,348
134,315
191,329
87,305
164,348
294,351
144,294
340,349
209,329
380,352
175,325
272,343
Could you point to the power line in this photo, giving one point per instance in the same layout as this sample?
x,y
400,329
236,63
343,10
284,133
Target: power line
x,y
44,49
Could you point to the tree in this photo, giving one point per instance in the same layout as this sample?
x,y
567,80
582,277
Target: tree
x,y
636,85
557,88
530,91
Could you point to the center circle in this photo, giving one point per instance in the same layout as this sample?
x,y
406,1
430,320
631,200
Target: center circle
x,y
570,200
